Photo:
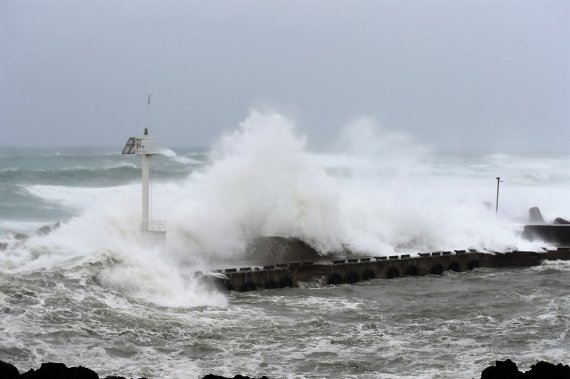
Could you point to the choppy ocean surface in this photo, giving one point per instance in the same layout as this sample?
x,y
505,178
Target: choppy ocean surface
x,y
90,293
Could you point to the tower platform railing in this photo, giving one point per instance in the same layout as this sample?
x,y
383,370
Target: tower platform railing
x,y
153,226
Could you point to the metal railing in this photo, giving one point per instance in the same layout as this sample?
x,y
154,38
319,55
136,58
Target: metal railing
x,y
153,226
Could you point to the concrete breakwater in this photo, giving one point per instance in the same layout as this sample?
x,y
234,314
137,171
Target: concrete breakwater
x,y
352,270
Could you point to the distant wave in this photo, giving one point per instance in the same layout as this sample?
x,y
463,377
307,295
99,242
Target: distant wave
x,y
72,176
184,159
91,176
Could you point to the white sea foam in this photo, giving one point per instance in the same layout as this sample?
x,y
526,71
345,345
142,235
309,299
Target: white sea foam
x,y
177,158
377,192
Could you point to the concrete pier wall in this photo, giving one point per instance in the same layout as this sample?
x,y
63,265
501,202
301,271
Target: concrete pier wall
x,y
357,269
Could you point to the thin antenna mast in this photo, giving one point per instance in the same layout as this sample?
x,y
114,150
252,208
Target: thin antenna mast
x,y
497,201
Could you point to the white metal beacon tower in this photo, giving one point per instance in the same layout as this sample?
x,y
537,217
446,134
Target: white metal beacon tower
x,y
145,147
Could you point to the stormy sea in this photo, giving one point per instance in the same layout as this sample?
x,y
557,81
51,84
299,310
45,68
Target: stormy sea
x,y
77,284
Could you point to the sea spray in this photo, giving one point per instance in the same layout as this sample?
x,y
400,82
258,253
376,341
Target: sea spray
x,y
124,307
103,243
377,192
260,182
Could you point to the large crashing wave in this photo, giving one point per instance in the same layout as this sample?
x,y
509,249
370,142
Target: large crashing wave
x,y
377,193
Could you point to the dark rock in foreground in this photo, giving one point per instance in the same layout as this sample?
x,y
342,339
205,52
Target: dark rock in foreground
x,y
60,371
502,370
542,370
8,371
210,376
52,370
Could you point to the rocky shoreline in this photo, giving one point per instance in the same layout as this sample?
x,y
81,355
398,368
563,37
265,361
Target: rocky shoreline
x,y
501,370
541,370
53,370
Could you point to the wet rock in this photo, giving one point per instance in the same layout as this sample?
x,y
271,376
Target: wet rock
x,y
534,215
52,370
560,221
267,250
502,370
8,371
548,370
541,370
211,376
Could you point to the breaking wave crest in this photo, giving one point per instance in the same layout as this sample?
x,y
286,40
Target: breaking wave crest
x,y
378,192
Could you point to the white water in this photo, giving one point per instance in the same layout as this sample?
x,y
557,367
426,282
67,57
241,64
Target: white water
x,y
375,192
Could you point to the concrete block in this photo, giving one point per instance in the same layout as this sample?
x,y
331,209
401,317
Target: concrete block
x,y
381,258
364,259
393,257
270,267
446,253
424,254
353,260
338,261
436,254
558,234
294,264
281,265
245,269
231,270
405,256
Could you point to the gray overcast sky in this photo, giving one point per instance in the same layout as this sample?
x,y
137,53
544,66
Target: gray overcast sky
x,y
489,74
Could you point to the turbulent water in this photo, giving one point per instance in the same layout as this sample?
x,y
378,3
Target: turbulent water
x,y
91,293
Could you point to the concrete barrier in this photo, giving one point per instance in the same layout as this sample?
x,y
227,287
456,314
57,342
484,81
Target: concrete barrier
x,y
555,233
340,271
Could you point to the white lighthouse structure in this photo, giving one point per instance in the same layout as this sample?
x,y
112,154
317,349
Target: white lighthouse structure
x,y
145,147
